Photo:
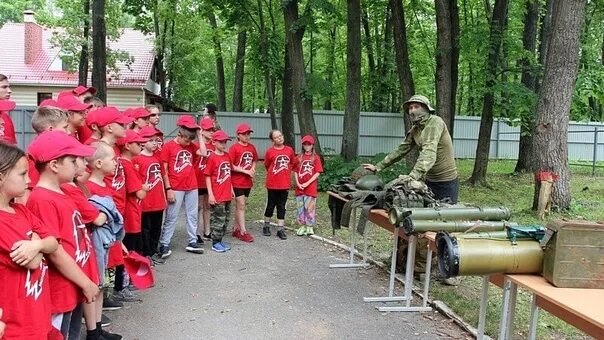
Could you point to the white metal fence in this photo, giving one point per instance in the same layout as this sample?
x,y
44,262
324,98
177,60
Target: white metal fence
x,y
379,133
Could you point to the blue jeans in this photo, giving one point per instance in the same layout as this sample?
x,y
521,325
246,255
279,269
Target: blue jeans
x,y
190,199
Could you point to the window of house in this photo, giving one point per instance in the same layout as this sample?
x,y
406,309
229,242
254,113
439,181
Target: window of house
x,y
42,96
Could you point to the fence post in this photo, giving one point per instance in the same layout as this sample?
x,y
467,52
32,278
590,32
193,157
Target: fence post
x,y
595,157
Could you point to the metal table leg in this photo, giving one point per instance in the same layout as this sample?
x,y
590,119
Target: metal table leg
x,y
390,296
484,299
506,326
351,263
534,318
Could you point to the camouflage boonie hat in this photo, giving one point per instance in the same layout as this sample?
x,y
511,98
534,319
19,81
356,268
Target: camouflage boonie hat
x,y
418,98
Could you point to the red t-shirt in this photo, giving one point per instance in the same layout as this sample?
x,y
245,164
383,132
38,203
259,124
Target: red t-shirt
x,y
24,293
89,212
150,171
242,156
32,173
132,218
84,133
201,166
64,222
218,168
7,130
95,189
90,140
180,160
306,168
117,182
279,164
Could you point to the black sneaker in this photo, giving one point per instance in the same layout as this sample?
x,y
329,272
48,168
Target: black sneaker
x,y
165,252
266,231
158,259
195,248
105,321
281,234
207,237
109,336
111,304
199,239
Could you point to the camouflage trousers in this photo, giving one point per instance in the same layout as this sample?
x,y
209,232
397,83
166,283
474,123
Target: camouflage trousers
x,y
219,219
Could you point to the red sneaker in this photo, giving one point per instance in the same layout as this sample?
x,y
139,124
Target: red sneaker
x,y
237,233
246,237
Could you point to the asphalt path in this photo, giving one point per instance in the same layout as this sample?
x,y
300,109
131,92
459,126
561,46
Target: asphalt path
x,y
269,289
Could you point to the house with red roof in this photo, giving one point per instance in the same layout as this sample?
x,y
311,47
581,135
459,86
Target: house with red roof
x,y
36,70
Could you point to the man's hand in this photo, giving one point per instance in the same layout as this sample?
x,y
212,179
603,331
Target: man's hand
x,y
404,178
211,200
25,251
369,167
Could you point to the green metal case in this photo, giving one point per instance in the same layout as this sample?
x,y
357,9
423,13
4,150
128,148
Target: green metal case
x,y
574,254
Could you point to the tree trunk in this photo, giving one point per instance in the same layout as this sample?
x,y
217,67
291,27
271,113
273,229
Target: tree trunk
x,y
331,64
447,36
403,67
99,49
161,53
370,57
287,103
380,97
83,63
302,99
268,72
220,82
486,121
561,67
529,42
545,34
350,136
239,72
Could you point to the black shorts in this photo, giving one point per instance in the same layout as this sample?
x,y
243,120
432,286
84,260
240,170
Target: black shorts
x,y
242,192
202,191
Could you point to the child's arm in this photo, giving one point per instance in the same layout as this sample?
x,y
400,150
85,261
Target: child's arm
x,y
2,325
100,220
297,180
203,151
142,193
70,270
169,193
312,179
211,198
28,253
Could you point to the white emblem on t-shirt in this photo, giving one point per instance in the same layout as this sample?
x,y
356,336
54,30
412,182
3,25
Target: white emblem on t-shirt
x,y
183,160
153,175
246,159
35,280
224,172
306,168
82,241
281,163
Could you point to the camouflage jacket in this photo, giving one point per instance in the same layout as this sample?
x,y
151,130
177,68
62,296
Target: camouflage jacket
x,y
436,161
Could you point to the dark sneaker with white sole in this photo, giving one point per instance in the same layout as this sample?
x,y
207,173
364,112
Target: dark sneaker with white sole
x,y
194,248
281,234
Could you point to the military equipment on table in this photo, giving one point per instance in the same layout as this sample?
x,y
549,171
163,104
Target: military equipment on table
x,y
514,251
574,254
396,215
413,227
370,182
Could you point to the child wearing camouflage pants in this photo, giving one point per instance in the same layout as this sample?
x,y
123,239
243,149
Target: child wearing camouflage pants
x,y
220,190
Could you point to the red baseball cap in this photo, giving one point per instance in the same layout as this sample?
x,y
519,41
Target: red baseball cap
x,y
206,123
110,114
137,112
80,90
139,269
131,137
220,136
50,145
149,131
7,105
244,128
49,102
308,139
187,122
71,103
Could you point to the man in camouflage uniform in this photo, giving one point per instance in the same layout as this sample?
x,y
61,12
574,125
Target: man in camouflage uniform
x,y
436,162
435,165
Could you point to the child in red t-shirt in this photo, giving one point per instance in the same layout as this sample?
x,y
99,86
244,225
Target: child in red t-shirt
x,y
205,150
243,157
279,161
24,288
154,122
77,111
307,172
55,153
178,157
220,190
153,205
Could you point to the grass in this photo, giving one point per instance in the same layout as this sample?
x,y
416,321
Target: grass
x,y
514,191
